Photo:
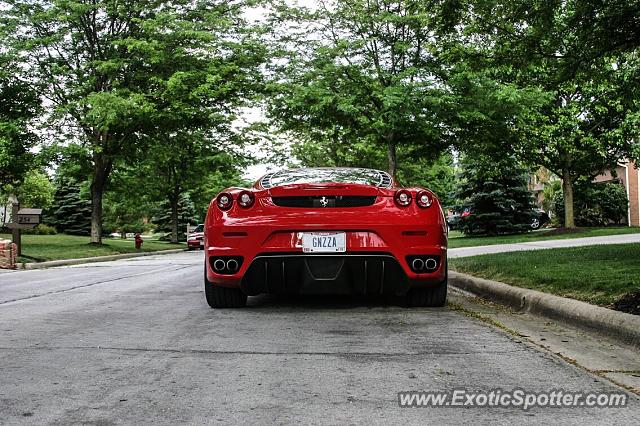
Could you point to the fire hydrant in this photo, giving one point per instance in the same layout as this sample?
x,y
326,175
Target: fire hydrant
x,y
139,241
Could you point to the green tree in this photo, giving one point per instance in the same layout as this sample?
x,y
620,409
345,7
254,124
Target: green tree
x,y
104,65
128,206
495,192
581,58
19,105
70,211
36,190
198,98
165,216
363,72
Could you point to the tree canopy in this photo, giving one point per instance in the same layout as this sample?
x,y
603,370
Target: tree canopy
x,y
118,74
363,71
19,106
136,103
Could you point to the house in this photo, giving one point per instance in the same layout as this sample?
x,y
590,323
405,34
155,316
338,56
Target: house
x,y
5,210
538,181
628,175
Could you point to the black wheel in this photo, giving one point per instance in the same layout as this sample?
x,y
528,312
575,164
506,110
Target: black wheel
x,y
431,297
189,248
535,223
223,297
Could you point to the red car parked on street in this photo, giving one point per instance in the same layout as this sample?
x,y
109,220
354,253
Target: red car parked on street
x,y
326,231
195,239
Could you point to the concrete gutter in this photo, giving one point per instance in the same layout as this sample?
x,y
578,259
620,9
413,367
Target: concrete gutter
x,y
67,262
617,325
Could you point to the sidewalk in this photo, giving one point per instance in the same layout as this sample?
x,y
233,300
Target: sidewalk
x,y
540,245
79,261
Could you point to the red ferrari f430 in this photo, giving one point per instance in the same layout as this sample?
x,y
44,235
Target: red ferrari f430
x,y
326,231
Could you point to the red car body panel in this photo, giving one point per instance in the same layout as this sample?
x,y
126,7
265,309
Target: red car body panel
x,y
381,228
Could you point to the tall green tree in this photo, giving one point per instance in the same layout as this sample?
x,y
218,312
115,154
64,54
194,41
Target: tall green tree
x,y
193,133
581,58
104,67
363,71
70,211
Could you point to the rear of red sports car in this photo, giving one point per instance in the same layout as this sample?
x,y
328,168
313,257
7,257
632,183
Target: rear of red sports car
x,y
326,231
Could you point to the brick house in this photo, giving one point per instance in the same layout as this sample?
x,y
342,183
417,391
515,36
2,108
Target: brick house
x,y
629,176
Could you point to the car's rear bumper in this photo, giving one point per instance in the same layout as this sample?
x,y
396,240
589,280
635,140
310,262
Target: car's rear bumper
x,y
377,261
363,274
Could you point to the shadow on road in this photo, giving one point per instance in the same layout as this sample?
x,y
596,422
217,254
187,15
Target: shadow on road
x,y
323,302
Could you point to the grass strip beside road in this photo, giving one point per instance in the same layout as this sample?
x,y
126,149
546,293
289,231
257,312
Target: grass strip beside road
x,y
594,274
456,239
41,248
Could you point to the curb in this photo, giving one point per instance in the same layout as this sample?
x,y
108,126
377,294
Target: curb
x,y
620,326
67,262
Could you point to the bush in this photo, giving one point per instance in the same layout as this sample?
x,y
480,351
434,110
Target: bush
x,y
614,202
595,204
41,229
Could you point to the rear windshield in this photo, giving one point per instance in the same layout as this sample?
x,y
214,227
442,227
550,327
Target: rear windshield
x,y
199,228
361,176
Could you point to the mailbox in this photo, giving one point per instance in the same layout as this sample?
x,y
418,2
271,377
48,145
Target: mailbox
x,y
29,217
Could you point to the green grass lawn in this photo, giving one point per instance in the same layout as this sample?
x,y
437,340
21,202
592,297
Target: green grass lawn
x,y
39,248
457,239
594,274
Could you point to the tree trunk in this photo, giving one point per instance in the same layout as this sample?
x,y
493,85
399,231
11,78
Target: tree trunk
x,y
174,218
392,156
101,171
567,192
96,212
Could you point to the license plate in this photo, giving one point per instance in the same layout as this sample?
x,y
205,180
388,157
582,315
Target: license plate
x,y
324,242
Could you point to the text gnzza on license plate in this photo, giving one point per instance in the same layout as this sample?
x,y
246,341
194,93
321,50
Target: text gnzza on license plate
x,y
325,242
319,242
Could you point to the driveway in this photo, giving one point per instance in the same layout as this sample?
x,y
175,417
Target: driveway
x,y
133,341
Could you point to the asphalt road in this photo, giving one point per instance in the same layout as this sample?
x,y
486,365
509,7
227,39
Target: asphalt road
x,y
133,341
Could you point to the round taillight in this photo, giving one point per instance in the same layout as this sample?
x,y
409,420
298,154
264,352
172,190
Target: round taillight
x,y
424,199
224,201
403,198
246,199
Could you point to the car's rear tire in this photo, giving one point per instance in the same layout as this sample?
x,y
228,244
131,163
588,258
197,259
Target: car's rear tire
x,y
223,297
431,297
